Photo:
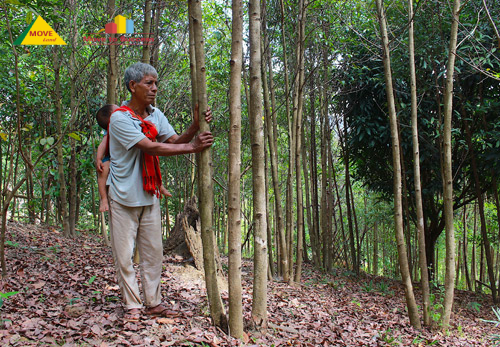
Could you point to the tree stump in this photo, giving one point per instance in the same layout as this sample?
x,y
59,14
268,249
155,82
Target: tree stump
x,y
185,237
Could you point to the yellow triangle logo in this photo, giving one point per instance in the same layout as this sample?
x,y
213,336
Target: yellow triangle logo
x,y
39,33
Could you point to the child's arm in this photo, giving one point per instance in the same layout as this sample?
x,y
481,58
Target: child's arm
x,y
101,152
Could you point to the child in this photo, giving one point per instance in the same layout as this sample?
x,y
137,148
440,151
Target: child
x,y
102,158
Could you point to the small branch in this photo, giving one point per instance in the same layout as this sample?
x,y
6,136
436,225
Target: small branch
x,y
492,22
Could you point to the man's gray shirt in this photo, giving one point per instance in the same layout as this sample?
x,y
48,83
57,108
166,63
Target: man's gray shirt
x,y
125,174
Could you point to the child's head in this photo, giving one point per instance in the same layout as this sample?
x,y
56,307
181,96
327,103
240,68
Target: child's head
x,y
102,116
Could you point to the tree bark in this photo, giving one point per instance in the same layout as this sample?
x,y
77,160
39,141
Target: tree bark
x,y
205,184
448,171
398,210
259,304
424,274
298,111
270,120
146,48
113,66
63,202
234,203
289,252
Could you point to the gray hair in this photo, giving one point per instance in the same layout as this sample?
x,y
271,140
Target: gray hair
x,y
136,73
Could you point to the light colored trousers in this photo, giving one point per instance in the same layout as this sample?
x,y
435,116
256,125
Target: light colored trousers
x,y
141,225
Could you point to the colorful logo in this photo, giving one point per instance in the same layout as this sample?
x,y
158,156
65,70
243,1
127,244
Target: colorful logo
x,y
39,33
121,25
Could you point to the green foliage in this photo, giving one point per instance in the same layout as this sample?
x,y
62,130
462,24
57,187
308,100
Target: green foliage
x,y
368,287
436,306
5,296
475,306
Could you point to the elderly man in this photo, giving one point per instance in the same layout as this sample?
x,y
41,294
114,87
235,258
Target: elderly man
x,y
138,134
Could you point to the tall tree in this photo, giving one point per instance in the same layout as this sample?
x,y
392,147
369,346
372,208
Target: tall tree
x,y
448,170
113,65
146,49
259,304
289,252
396,162
63,201
234,201
424,274
205,185
298,108
270,122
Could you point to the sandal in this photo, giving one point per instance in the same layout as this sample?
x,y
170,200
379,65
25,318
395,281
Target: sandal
x,y
132,315
159,311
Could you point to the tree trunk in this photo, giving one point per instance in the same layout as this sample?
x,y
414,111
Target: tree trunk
x,y
146,48
482,218
298,111
314,226
113,66
63,202
289,252
375,249
424,274
398,210
270,119
259,304
448,170
205,184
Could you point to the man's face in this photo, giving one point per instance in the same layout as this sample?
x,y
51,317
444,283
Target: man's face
x,y
145,90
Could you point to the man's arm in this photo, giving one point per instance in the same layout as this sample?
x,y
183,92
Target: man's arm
x,y
202,141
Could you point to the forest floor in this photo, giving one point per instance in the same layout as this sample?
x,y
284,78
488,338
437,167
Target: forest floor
x,y
62,292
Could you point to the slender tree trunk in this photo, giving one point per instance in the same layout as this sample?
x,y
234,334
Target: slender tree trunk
x,y
314,226
113,66
352,240
259,304
270,119
205,184
448,171
298,111
375,249
146,48
9,194
482,218
63,202
73,188
324,187
158,9
289,251
424,273
466,250
234,203
398,211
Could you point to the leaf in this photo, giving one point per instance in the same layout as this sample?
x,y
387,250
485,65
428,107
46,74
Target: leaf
x,y
75,136
29,17
92,279
6,295
4,136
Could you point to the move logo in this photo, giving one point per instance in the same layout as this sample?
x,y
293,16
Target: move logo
x,y
39,33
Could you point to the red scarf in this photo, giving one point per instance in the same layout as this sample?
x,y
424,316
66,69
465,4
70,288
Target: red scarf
x,y
151,174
